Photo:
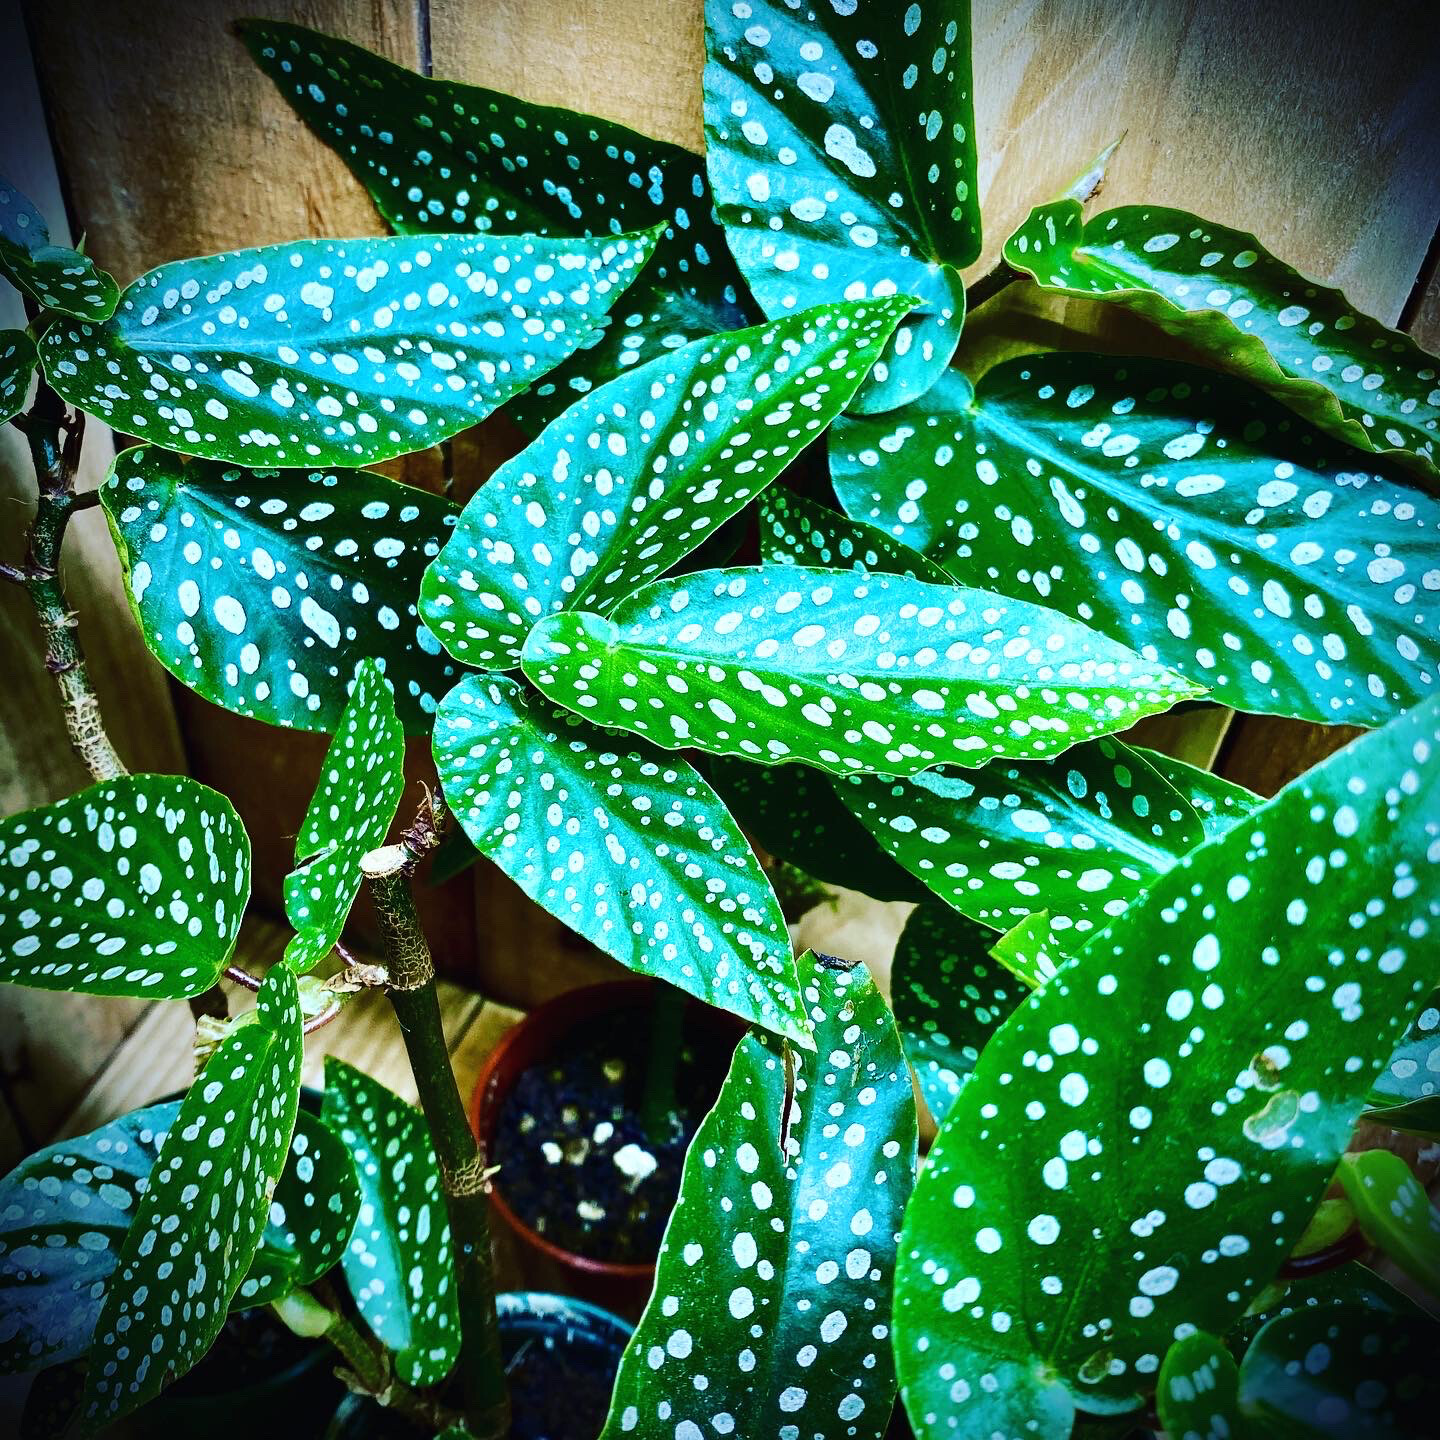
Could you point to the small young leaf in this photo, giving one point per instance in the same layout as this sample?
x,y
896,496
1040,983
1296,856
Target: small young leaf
x,y
794,813
1156,501
337,352
1081,835
437,156
260,590
1219,803
349,815
796,531
398,1263
627,845
1198,1396
55,276
748,662
135,886
841,146
1395,1213
771,1305
631,479
1221,290
17,364
949,997
1342,1372
1413,1071
1031,951
1197,1070
205,1207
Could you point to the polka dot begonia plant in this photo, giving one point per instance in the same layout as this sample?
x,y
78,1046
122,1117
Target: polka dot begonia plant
x,y
778,575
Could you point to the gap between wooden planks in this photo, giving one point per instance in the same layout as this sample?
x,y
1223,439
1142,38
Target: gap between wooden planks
x,y
156,1058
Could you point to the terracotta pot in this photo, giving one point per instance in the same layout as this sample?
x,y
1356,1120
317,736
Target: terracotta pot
x,y
543,1034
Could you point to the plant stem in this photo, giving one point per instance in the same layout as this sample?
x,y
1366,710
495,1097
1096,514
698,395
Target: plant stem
x,y
667,1030
462,1163
989,285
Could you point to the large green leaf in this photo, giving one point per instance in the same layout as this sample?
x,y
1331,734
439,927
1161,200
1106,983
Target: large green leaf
x,y
1395,1213
950,997
438,156
1221,290
57,277
65,1211
262,589
398,1263
841,147
771,1308
17,364
1198,1394
337,352
1342,1372
631,479
349,815
627,845
205,1208
1080,836
1145,1139
793,812
796,531
1178,507
748,662
135,886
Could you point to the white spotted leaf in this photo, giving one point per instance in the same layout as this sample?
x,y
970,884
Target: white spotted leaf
x,y
135,886
1394,1213
770,1314
1186,1086
842,670
398,1263
54,276
840,140
17,365
337,352
1031,950
797,531
793,813
438,156
350,812
627,845
66,1209
206,1204
1342,1372
1219,803
949,996
1220,290
1406,1093
1080,836
261,590
1198,1394
1176,509
631,479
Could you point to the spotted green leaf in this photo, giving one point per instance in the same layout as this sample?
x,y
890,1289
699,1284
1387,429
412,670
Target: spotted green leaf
x,y
55,276
398,1263
1182,1091
1198,1394
1342,1372
793,812
17,365
1030,950
1080,836
796,531
65,1211
1175,507
135,886
748,662
627,845
1395,1213
840,140
205,1208
1413,1072
1221,290
440,156
337,352
949,996
771,1308
349,815
631,479
1219,803
262,589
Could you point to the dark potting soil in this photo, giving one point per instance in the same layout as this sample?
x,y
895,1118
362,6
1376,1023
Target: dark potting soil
x,y
252,1347
575,1162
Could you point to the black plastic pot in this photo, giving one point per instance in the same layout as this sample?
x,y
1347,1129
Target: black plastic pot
x,y
554,1347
